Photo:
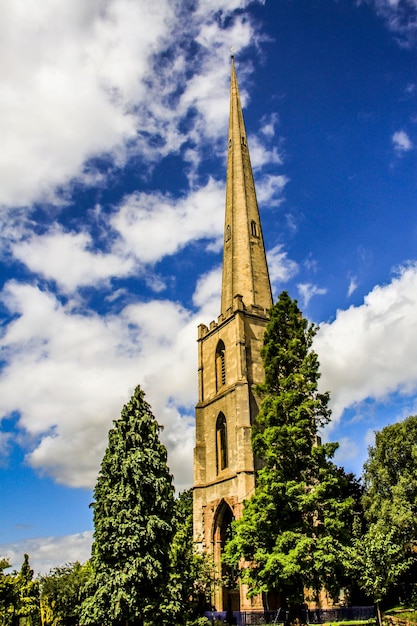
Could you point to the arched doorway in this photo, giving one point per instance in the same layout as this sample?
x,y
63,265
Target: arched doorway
x,y
227,595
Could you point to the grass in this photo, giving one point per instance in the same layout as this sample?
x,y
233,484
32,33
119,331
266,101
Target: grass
x,y
352,622
409,615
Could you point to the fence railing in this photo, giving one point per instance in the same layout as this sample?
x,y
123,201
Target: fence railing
x,y
314,616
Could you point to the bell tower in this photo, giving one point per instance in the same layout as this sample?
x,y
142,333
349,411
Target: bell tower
x,y
230,365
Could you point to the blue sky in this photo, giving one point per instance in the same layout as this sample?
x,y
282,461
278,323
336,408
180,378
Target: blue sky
x,y
113,118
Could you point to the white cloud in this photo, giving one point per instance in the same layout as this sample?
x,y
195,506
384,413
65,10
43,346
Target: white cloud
x,y
307,291
79,81
281,268
68,258
401,141
268,125
269,189
353,285
143,230
48,552
346,451
4,446
260,155
152,226
370,351
400,18
207,294
77,369
69,73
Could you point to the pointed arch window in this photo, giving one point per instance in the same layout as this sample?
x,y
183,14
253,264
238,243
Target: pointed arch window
x,y
254,229
220,365
221,443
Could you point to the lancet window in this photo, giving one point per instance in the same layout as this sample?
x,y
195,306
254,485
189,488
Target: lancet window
x,y
220,365
221,443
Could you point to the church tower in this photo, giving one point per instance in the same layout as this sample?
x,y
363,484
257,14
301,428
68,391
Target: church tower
x,y
230,365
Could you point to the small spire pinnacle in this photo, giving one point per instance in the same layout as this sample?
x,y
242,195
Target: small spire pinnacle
x,y
245,269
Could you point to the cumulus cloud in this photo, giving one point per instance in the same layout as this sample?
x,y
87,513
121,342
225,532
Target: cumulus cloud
x,y
77,369
69,259
151,226
48,552
402,142
208,293
144,229
63,100
363,353
80,81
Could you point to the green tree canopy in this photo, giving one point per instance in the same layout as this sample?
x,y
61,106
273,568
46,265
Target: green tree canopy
x,y
62,592
19,595
294,529
385,556
390,479
7,593
191,573
28,593
133,526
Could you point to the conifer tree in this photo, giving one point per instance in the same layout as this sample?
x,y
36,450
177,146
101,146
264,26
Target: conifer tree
x,y
8,595
133,510
28,607
19,595
294,528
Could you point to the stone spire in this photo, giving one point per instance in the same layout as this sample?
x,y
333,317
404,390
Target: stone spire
x,y
245,270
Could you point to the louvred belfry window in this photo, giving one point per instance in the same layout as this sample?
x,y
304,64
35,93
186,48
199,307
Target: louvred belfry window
x,y
221,443
220,365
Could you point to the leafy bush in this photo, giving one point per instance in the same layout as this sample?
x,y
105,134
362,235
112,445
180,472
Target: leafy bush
x,y
200,621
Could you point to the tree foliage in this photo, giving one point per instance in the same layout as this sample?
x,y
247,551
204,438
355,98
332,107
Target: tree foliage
x,y
7,593
390,479
62,593
19,595
385,556
295,528
133,527
191,573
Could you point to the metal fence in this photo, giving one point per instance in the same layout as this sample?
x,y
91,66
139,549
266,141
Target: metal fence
x,y
319,616
315,616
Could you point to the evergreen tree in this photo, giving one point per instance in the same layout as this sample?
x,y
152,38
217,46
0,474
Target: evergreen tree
x,y
8,596
19,596
28,607
133,509
294,529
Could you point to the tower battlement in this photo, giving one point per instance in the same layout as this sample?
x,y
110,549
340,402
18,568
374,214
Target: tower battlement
x,y
252,309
